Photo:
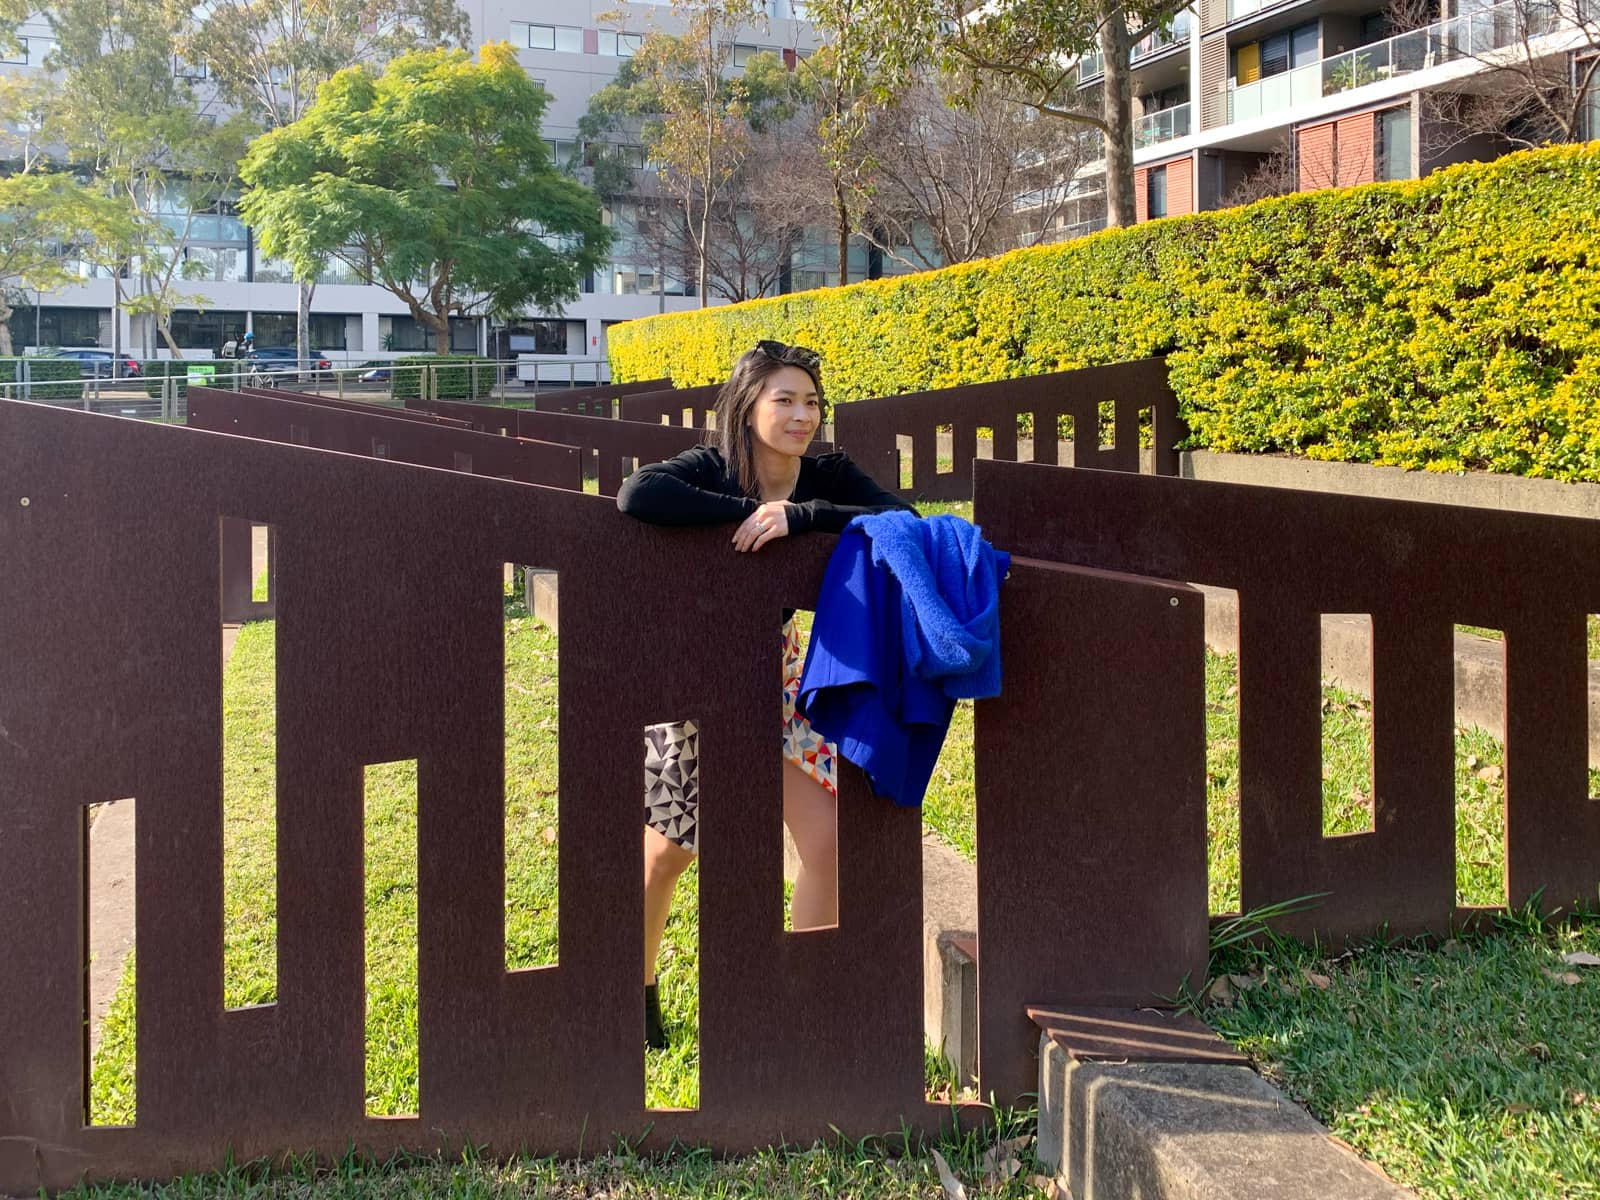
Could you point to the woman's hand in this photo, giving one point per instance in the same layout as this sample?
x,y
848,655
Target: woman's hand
x,y
769,521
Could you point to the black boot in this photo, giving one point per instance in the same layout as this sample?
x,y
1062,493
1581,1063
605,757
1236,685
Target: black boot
x,y
655,1033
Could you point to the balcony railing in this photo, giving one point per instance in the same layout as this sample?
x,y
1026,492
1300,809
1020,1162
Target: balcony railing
x,y
1466,36
1161,126
1092,66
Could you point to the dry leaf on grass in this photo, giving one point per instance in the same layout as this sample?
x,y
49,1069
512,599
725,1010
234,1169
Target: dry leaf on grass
x,y
952,1186
1000,1161
1490,774
550,833
1048,1187
1567,977
1221,991
1581,958
1316,980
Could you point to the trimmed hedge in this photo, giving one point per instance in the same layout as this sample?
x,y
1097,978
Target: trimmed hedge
x,y
460,376
1446,323
53,378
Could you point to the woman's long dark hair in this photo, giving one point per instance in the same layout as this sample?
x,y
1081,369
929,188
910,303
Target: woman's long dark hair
x,y
738,397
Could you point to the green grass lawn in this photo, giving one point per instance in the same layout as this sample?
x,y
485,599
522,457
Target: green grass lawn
x,y
1471,1070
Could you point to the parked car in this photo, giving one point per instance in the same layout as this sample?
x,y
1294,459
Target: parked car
x,y
284,358
98,364
376,372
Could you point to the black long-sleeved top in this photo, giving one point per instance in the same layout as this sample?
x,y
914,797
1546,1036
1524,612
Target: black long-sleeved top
x,y
696,488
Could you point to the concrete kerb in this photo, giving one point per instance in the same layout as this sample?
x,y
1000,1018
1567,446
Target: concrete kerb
x,y
1186,1131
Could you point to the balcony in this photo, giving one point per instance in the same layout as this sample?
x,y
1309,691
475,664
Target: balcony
x,y
1466,36
1163,126
1092,66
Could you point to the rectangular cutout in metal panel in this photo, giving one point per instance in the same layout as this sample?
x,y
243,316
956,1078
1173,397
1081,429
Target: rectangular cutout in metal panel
x,y
1106,426
250,818
1222,748
1347,722
809,812
1480,778
110,1085
389,834
532,772
672,836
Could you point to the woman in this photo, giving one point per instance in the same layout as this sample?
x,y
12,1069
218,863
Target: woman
x,y
758,479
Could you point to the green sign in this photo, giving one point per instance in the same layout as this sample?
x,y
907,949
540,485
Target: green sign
x,y
202,373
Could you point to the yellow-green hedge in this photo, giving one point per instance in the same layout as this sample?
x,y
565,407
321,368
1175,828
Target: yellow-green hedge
x,y
1445,323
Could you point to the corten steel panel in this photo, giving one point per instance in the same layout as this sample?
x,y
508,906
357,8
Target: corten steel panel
x,y
1315,157
1141,195
1091,805
867,429
612,449
390,645
272,417
670,405
1416,569
371,408
445,444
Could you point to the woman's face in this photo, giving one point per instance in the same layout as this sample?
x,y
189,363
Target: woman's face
x,y
787,413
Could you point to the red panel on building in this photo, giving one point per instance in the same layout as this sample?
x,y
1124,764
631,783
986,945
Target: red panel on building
x,y
1180,187
1141,194
1315,157
591,41
1356,149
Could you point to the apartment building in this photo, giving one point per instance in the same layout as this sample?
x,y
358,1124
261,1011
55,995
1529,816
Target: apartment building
x,y
573,48
1327,90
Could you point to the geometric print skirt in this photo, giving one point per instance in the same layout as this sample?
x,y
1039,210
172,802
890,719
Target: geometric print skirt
x,y
672,753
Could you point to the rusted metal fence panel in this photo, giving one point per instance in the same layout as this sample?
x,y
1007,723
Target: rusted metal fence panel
x,y
1417,569
611,449
869,430
433,442
390,645
694,407
370,408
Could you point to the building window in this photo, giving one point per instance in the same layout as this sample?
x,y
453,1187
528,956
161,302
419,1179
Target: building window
x,y
1287,51
742,54
565,39
1156,192
406,333
620,45
535,337
183,69
205,330
78,327
1394,144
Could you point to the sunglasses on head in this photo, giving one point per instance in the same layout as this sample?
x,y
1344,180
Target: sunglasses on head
x,y
790,356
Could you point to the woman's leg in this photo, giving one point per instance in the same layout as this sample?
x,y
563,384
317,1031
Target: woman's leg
x,y
664,861
812,815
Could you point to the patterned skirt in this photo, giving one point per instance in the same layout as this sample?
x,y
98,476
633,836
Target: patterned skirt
x,y
672,753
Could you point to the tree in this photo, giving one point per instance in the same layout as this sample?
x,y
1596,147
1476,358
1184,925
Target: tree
x,y
431,181
146,137
268,58
871,53
42,217
1037,47
738,235
694,117
957,173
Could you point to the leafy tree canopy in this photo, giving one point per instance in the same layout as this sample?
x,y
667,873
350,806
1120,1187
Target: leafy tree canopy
x,y
431,180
